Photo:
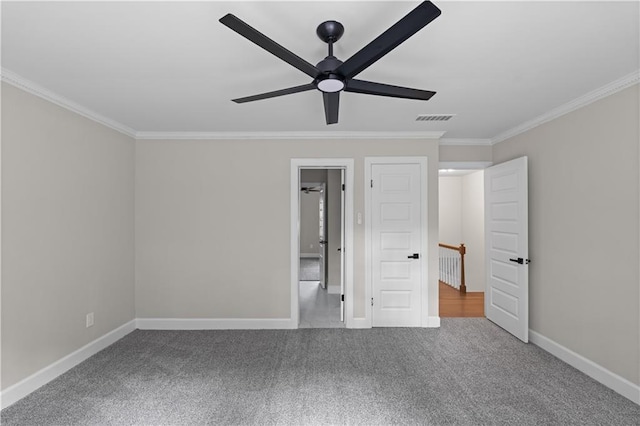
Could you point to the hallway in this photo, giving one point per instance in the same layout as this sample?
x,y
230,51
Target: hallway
x,y
456,304
318,308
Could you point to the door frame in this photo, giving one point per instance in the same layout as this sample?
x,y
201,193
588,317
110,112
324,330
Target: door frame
x,y
347,164
424,233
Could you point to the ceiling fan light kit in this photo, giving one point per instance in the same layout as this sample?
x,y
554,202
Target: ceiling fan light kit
x,y
331,75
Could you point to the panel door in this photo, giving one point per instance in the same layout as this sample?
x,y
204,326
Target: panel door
x,y
322,236
507,249
395,245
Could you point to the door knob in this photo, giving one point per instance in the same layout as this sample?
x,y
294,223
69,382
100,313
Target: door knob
x,y
414,256
521,261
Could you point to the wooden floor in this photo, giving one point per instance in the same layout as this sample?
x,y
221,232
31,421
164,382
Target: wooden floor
x,y
456,304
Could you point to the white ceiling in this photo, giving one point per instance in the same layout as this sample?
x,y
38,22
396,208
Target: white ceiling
x,y
172,67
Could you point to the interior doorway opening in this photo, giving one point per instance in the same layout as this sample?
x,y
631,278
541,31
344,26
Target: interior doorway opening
x,y
321,278
321,243
461,225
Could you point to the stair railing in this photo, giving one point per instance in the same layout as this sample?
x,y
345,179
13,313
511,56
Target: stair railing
x,y
452,266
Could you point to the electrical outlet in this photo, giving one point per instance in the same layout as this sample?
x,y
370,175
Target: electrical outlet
x,y
90,319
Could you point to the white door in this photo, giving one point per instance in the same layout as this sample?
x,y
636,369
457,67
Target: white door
x,y
507,247
322,236
396,225
342,224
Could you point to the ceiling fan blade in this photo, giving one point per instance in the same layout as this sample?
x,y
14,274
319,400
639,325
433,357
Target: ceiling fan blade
x,y
331,105
390,39
275,93
269,45
379,89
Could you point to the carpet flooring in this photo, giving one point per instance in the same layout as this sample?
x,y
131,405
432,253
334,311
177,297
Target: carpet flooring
x,y
468,372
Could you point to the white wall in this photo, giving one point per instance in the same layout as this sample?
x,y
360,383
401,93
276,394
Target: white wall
x,y
473,229
462,221
67,232
450,209
584,290
193,227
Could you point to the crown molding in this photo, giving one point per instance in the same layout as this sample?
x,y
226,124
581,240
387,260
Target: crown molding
x,y
604,91
286,135
465,142
35,89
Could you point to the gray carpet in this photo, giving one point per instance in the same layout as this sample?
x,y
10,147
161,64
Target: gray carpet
x,y
309,269
468,372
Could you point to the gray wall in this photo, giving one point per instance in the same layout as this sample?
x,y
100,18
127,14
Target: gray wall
x,y
583,230
453,153
309,211
67,232
193,227
310,223
334,193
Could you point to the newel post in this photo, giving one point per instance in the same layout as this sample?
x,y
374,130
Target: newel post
x,y
462,249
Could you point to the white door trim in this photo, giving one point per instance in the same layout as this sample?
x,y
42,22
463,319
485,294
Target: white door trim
x,y
424,291
322,163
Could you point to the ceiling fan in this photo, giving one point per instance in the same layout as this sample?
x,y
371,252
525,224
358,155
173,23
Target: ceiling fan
x,y
331,75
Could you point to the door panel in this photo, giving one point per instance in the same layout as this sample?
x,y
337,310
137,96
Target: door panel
x,y
506,233
322,236
395,235
342,248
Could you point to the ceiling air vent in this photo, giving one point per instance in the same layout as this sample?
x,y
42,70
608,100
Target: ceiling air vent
x,y
435,117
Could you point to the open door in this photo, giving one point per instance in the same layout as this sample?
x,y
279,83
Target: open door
x,y
322,236
507,247
342,222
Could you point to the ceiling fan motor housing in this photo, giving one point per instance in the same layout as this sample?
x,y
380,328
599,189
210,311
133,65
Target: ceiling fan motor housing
x,y
330,31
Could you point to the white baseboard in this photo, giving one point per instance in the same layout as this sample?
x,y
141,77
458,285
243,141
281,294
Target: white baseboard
x,y
40,378
214,323
359,323
432,322
611,380
311,255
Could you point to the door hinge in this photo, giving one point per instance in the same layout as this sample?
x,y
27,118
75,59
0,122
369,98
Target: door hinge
x,y
343,186
372,301
342,298
372,183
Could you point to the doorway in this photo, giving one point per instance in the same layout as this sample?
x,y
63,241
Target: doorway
x,y
505,257
462,242
321,224
321,250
